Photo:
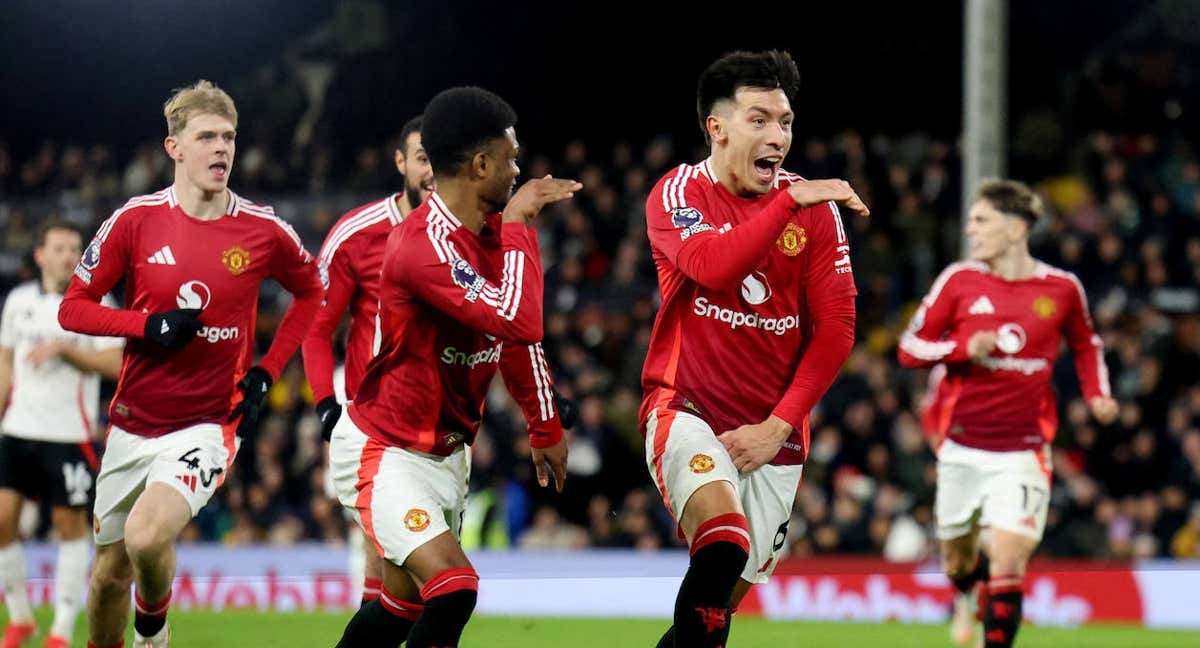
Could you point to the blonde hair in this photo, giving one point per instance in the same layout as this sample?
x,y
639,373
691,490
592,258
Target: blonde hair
x,y
201,97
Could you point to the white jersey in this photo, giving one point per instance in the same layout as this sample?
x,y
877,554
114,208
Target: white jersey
x,y
55,402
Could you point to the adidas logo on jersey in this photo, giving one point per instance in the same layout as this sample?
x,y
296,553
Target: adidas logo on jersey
x,y
162,257
982,306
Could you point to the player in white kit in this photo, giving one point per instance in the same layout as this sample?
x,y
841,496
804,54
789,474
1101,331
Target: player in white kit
x,y
46,434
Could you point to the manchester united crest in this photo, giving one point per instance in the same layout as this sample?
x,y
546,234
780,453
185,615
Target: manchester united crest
x,y
416,520
793,239
701,464
236,260
1044,307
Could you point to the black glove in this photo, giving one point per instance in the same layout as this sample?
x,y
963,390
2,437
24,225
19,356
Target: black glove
x,y
329,412
173,329
568,410
254,386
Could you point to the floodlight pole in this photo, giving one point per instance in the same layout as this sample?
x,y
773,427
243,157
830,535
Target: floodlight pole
x,y
985,100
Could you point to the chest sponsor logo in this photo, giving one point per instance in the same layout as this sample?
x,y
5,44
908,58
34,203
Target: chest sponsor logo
x,y
465,276
739,319
793,240
755,289
1010,338
1044,307
236,260
452,356
194,294
982,306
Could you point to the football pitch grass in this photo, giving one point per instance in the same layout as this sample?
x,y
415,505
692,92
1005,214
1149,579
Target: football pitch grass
x,y
247,629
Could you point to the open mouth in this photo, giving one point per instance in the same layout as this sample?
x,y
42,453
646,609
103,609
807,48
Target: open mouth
x,y
219,170
767,167
428,186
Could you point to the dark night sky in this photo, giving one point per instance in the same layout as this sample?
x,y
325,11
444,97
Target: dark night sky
x,y
86,71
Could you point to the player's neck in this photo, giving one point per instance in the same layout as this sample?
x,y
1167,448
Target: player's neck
x,y
56,287
402,206
200,204
1014,265
725,175
463,203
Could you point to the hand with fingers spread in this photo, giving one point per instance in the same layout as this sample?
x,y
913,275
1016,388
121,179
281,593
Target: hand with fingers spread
x,y
814,192
536,194
556,457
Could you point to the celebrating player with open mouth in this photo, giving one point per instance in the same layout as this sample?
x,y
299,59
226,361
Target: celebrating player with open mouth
x,y
193,256
996,323
757,318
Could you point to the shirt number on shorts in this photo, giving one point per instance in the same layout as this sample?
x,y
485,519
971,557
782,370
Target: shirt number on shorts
x,y
78,482
1035,495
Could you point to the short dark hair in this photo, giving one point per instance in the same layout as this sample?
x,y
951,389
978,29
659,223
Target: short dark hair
x,y
459,122
54,224
411,126
1011,197
770,69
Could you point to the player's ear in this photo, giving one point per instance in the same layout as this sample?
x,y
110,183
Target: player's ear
x,y
715,129
399,158
481,164
171,144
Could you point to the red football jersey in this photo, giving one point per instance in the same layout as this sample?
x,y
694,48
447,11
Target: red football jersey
x,y
731,342
455,306
349,264
170,260
1006,402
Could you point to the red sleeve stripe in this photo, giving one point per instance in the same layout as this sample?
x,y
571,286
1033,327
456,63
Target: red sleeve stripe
x,y
348,227
541,375
157,198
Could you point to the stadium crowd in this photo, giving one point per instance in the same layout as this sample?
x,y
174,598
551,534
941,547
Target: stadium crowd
x,y
1124,214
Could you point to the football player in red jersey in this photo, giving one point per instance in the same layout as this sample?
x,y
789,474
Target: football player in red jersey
x,y
996,323
460,298
349,263
193,256
757,318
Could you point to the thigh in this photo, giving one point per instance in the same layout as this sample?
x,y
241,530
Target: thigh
x,y
67,475
683,456
17,472
193,462
10,514
1016,493
958,498
768,494
122,478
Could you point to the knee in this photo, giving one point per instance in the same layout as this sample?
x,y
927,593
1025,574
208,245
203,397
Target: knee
x,y
1009,564
71,524
957,567
112,572
146,542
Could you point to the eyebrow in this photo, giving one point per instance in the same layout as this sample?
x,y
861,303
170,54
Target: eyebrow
x,y
787,113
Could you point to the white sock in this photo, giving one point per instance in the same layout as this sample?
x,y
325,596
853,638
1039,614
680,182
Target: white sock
x,y
69,576
12,580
